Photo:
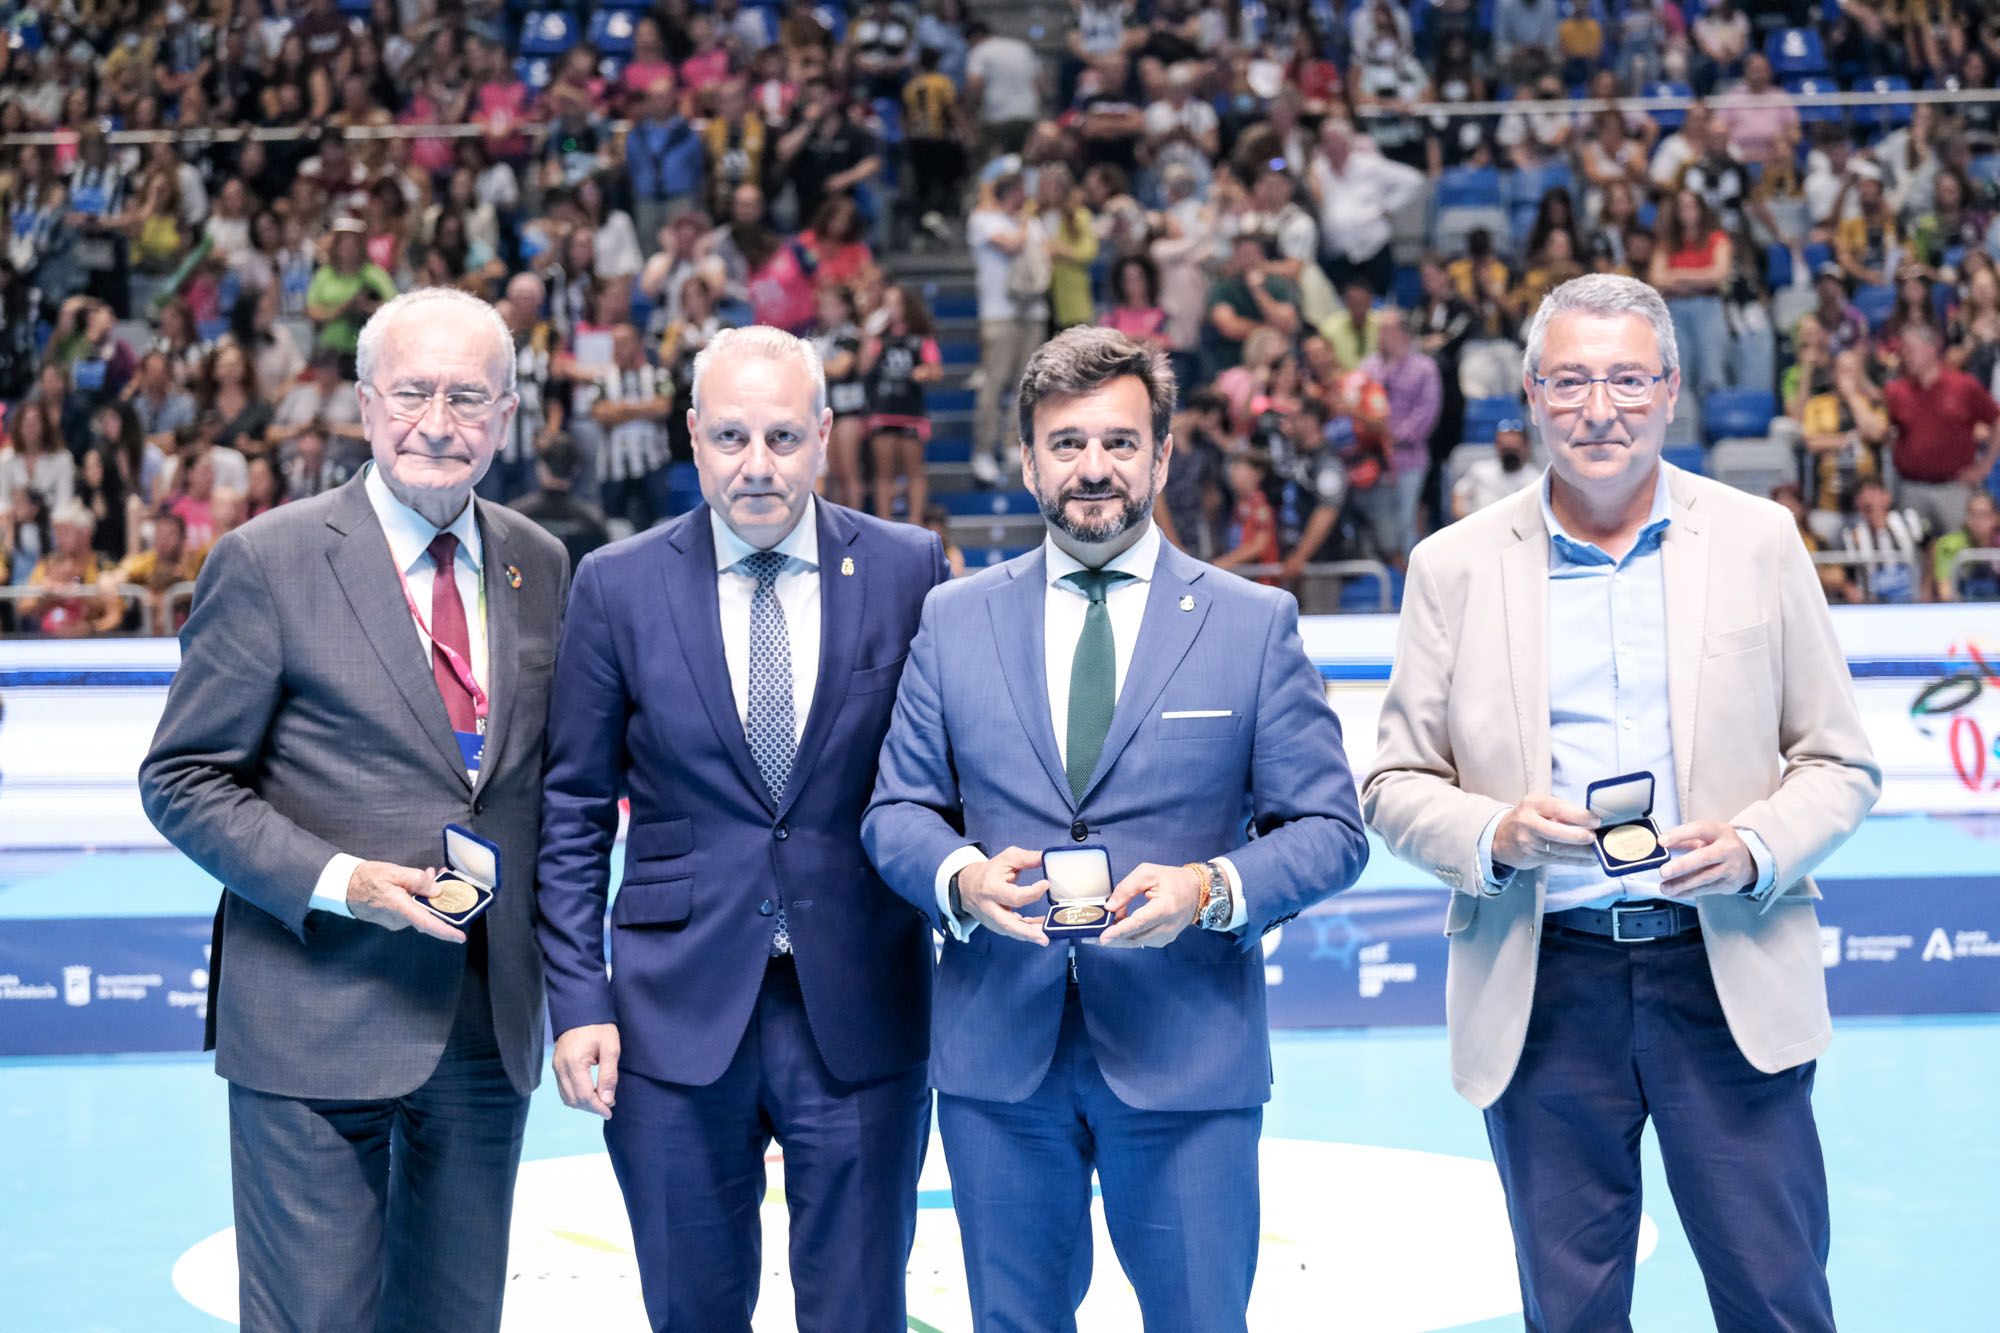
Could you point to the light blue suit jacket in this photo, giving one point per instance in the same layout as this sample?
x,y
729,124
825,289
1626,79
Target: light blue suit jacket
x,y
971,757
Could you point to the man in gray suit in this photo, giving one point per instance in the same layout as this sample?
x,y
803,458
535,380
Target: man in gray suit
x,y
358,671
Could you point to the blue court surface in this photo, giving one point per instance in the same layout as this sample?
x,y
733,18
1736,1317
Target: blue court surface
x,y
1381,1207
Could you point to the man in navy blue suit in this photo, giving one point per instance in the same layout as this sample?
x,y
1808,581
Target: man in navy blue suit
x,y
733,672
1106,688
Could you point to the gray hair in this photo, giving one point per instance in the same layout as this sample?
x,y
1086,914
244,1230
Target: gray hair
x,y
369,346
771,344
1606,294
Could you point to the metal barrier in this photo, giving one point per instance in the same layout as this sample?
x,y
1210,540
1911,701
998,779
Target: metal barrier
x,y
131,594
1861,563
1970,556
1315,578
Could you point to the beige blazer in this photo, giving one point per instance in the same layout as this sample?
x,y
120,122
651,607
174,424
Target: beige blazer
x,y
1766,737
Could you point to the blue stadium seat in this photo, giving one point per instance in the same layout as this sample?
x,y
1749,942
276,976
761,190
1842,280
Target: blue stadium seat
x,y
1875,302
356,8
948,451
538,72
611,32
547,32
1777,266
948,400
1687,457
1669,120
1897,113
1469,187
1484,415
630,6
1795,52
982,503
612,68
1728,413
1813,115
1406,289
1986,168
1815,254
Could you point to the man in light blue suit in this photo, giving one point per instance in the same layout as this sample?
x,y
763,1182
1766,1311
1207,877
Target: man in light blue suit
x,y
1108,689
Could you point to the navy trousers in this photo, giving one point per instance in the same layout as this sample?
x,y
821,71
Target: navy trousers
x,y
383,1216
1180,1200
691,1164
1621,1033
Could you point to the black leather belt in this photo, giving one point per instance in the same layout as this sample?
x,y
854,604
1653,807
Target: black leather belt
x,y
1629,923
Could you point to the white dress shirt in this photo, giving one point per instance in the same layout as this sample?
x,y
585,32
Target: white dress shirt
x,y
1064,606
798,594
410,535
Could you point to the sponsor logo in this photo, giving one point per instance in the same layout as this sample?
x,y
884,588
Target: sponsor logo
x,y
1945,948
1829,946
13,988
76,986
1878,948
1379,971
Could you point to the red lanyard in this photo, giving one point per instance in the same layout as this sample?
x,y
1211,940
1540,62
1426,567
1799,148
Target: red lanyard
x,y
460,668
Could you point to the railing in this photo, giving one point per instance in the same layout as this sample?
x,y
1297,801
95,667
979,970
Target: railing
x,y
1964,560
1862,562
1315,578
132,595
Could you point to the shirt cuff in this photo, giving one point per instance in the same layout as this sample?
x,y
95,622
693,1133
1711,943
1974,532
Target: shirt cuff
x,y
1492,882
961,928
1760,856
1239,913
330,893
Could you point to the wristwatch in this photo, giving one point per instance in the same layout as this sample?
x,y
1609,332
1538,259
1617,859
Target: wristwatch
x,y
1214,908
952,899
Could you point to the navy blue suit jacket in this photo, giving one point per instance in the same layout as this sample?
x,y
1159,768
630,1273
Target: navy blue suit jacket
x,y
1222,743
642,706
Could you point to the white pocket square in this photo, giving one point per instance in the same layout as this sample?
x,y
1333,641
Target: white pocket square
x,y
1198,712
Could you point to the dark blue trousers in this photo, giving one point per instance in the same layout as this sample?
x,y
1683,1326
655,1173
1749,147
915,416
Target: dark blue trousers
x,y
1621,1033
691,1164
1180,1200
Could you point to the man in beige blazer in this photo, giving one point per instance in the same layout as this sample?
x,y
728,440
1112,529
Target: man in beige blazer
x,y
1627,620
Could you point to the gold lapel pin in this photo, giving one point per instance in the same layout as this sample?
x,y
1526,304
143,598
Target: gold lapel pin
x,y
847,565
1187,601
514,577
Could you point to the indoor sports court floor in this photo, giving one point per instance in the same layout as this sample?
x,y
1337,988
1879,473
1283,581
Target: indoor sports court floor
x,y
1381,1208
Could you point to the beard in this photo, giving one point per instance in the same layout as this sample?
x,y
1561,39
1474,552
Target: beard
x,y
1513,462
1132,512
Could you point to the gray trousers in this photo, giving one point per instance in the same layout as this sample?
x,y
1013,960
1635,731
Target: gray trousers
x,y
381,1216
1004,348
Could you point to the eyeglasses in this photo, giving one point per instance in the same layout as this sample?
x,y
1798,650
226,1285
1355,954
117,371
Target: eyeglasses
x,y
465,406
1627,388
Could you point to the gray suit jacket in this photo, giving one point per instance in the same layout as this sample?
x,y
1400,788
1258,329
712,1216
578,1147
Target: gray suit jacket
x,y
1766,737
305,721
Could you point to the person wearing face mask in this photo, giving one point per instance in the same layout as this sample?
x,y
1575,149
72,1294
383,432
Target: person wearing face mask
x,y
731,672
1158,708
1490,480
1621,728
360,670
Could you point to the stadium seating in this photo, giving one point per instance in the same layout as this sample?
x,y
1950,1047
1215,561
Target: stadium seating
x,y
1737,412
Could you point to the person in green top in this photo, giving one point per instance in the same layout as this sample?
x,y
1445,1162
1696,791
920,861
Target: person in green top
x,y
1072,239
346,289
1980,581
1355,330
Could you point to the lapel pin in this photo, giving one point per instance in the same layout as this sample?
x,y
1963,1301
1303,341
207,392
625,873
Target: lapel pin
x,y
1187,601
847,565
514,577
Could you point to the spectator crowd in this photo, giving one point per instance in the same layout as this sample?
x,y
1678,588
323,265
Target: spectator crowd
x,y
1340,281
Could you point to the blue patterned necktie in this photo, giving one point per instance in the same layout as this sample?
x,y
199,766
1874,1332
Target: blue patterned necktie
x,y
770,724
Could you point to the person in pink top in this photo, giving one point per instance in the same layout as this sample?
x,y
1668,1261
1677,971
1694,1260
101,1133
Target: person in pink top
x,y
1137,314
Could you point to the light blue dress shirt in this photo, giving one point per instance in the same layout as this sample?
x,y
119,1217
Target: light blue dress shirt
x,y
1609,710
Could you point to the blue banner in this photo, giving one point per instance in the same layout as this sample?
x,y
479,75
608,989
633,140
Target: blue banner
x,y
103,986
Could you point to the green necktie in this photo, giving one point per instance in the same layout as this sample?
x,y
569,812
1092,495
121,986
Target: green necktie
x,y
1093,678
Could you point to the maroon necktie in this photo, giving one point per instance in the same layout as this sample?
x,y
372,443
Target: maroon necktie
x,y
448,631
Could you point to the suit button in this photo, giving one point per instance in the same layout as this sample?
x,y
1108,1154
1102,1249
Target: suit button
x,y
764,908
781,832
1079,831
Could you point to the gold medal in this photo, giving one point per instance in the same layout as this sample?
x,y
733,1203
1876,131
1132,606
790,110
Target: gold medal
x,y
1630,842
454,896
1077,916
